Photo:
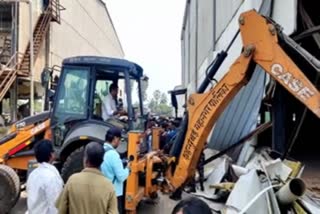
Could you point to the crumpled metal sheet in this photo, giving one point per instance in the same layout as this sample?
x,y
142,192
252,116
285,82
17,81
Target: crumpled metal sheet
x,y
311,201
246,188
257,158
215,177
277,169
273,205
312,207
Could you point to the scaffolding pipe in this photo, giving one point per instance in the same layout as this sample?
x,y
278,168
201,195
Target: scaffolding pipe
x,y
291,191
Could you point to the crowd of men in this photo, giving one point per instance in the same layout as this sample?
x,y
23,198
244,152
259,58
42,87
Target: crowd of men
x,y
169,128
100,186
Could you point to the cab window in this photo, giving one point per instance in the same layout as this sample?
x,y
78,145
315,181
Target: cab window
x,y
72,98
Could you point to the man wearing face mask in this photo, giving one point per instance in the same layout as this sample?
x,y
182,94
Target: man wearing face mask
x,y
112,166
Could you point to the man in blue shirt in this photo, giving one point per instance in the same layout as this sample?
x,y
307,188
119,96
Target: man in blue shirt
x,y
112,166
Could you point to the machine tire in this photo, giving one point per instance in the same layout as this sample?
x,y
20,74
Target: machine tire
x,y
9,188
73,164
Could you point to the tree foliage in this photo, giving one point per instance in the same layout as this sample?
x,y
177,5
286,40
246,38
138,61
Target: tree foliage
x,y
157,95
159,104
163,99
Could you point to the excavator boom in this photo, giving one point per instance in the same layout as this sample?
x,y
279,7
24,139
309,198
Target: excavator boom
x,y
260,48
260,42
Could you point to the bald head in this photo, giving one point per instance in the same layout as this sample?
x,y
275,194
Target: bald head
x,y
93,155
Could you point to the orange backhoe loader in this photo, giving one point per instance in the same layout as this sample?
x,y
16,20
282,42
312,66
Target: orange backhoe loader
x,y
16,147
75,119
264,45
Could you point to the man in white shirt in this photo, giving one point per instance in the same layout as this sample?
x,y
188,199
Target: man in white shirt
x,y
109,106
44,184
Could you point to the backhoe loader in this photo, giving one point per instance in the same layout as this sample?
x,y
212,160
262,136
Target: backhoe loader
x,y
74,120
264,44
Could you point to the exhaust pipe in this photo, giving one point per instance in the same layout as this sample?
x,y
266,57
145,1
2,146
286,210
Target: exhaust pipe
x,y
291,191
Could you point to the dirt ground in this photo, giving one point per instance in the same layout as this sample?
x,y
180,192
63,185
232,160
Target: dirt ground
x,y
311,175
164,205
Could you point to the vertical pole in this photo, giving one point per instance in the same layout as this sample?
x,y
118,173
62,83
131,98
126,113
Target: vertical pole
x,y
279,116
14,51
31,60
13,100
14,48
129,100
140,96
196,69
156,132
133,192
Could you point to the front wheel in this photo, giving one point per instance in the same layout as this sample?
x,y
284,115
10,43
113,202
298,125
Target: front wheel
x,y
9,188
73,164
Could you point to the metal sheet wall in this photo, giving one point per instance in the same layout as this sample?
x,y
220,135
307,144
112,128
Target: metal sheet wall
x,y
224,12
205,30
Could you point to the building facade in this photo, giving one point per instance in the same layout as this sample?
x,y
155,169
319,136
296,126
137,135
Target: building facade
x,y
61,29
210,27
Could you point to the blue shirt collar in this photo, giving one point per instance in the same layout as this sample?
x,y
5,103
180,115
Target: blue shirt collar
x,y
107,145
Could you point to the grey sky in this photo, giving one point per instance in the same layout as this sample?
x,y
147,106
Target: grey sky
x,y
149,31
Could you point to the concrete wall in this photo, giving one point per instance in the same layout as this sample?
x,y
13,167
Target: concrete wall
x,y
86,29
24,33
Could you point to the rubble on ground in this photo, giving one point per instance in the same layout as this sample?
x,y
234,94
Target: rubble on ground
x,y
263,183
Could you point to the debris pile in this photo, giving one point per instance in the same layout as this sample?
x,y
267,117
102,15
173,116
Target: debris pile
x,y
262,184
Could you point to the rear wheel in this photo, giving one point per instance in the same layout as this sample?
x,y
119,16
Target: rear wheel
x,y
73,164
9,188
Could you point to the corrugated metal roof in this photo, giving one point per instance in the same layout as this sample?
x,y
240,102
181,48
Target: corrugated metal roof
x,y
240,117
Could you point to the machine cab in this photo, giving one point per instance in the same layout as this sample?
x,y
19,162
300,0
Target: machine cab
x,y
81,92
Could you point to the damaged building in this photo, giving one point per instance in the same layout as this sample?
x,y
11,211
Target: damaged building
x,y
57,29
210,27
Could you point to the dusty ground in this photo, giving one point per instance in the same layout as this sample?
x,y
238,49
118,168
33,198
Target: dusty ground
x,y
164,205
311,174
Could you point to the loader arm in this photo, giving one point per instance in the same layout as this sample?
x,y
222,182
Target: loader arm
x,y
260,42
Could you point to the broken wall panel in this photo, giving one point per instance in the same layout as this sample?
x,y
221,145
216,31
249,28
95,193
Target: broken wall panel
x,y
240,117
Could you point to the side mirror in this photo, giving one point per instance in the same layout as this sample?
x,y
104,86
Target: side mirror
x,y
51,95
174,101
45,77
